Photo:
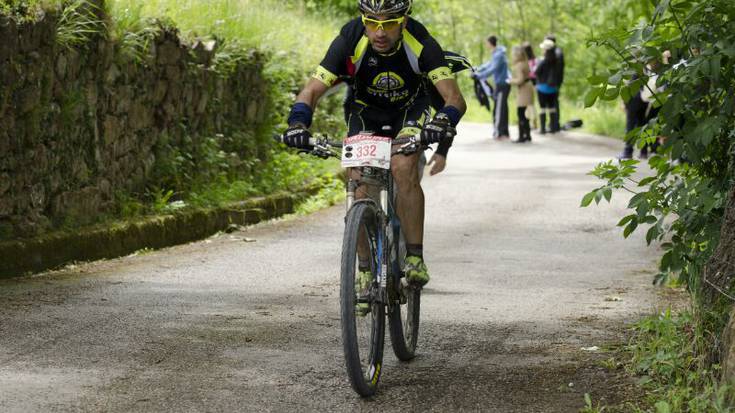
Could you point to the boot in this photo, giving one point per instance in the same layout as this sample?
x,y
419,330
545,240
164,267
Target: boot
x,y
542,121
554,124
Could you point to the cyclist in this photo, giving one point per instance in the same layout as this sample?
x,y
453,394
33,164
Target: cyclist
x,y
392,64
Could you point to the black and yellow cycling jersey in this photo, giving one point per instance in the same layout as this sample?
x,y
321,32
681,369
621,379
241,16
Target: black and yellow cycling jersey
x,y
385,81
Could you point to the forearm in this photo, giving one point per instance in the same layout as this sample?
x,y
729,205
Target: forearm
x,y
306,101
311,93
456,100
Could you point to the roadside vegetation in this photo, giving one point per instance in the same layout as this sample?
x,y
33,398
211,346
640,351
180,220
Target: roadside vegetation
x,y
682,195
274,28
199,173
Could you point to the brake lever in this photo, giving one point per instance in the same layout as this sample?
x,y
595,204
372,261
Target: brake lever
x,y
409,147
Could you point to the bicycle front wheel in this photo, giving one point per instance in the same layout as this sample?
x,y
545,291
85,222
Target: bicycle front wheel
x,y
362,312
403,313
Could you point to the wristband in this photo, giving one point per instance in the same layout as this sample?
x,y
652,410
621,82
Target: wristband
x,y
300,113
444,146
452,113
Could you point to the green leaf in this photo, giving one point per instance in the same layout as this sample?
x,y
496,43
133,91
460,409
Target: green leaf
x,y
588,199
647,180
706,130
651,234
611,93
630,228
636,199
591,97
596,80
598,195
615,79
663,407
627,219
607,193
666,260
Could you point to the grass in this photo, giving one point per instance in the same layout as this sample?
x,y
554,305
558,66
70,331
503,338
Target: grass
x,y
602,119
664,358
606,120
269,25
78,23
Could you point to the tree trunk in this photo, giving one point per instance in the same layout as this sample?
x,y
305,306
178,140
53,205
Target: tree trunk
x,y
728,351
717,289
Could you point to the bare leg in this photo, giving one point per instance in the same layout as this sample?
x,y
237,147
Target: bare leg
x,y
361,192
410,203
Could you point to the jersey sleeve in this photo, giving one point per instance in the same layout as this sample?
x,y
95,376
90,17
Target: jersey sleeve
x,y
334,63
432,61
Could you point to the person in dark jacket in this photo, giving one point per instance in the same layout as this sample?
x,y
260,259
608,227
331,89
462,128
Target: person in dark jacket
x,y
548,80
560,71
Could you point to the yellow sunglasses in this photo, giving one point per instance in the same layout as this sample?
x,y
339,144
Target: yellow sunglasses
x,y
385,25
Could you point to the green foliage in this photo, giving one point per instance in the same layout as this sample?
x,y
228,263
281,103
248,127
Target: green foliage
x,y
664,355
590,407
664,358
133,32
331,193
682,202
78,23
604,119
21,10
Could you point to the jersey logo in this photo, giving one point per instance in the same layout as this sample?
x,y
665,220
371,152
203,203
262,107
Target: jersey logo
x,y
372,61
388,81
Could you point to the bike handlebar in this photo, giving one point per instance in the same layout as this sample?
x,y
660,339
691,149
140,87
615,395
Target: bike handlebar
x,y
323,147
337,144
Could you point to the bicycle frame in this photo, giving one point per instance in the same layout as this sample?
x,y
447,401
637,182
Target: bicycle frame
x,y
386,239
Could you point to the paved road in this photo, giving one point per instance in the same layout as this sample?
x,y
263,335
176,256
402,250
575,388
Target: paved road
x,y
522,280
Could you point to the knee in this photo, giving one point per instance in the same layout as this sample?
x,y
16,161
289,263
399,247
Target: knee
x,y
405,174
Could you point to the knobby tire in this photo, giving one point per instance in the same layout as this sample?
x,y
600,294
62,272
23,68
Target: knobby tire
x,y
363,374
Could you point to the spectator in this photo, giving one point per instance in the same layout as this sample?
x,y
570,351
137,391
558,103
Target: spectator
x,y
524,99
555,125
635,117
548,81
642,108
497,67
532,63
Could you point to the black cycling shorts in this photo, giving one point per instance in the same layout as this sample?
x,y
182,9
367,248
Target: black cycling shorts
x,y
410,121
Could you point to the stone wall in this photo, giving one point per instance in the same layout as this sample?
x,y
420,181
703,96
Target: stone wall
x,y
80,125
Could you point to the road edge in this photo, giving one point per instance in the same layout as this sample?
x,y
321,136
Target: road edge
x,y
27,256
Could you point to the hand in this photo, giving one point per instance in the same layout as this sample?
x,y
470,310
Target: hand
x,y
438,163
436,130
297,136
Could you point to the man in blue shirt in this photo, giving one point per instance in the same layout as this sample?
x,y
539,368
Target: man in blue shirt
x,y
497,67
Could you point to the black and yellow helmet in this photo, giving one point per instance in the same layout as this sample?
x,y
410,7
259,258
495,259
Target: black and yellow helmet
x,y
386,7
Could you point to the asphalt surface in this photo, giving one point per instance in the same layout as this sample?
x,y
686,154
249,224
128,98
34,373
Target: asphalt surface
x,y
522,280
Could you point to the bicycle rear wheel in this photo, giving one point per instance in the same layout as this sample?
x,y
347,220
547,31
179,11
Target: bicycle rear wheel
x,y
403,315
362,313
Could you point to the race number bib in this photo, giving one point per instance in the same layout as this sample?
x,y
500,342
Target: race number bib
x,y
366,150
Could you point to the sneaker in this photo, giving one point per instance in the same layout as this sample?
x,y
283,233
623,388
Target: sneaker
x,y
416,271
362,290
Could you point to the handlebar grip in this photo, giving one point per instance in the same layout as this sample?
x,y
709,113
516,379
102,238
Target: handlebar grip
x,y
279,138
